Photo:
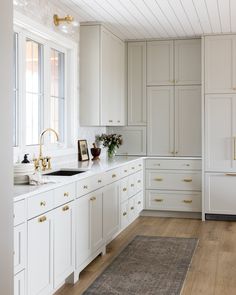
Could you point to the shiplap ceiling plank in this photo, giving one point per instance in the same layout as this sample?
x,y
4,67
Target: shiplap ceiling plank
x,y
156,19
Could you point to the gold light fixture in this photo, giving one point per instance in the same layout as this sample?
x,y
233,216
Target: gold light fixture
x,y
66,24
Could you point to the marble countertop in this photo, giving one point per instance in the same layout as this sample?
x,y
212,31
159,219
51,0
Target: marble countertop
x,y
91,168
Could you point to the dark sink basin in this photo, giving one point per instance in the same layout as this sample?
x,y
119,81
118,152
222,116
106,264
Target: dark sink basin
x,y
64,173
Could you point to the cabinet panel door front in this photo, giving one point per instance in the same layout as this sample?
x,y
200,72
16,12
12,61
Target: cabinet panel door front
x,y
160,58
160,121
63,243
188,62
220,132
137,83
188,121
40,258
96,220
19,283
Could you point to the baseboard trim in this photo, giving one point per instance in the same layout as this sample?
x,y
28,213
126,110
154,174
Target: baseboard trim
x,y
156,213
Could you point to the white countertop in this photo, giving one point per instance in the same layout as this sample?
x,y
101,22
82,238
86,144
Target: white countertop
x,y
92,167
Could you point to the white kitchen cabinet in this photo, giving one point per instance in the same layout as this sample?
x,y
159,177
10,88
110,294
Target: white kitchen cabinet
x,y
220,132
220,64
136,83
160,63
19,247
187,62
160,126
63,243
220,191
101,77
134,140
40,255
19,283
188,121
111,210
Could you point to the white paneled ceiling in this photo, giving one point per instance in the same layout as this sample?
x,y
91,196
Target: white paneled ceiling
x,y
151,19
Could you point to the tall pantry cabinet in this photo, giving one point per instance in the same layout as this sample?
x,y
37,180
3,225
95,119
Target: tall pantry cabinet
x,y
220,125
174,98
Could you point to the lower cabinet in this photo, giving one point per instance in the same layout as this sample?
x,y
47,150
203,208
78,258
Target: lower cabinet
x,y
88,220
19,283
40,255
111,211
63,243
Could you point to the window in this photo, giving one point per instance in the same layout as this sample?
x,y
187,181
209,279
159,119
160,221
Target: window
x,y
57,95
34,91
15,91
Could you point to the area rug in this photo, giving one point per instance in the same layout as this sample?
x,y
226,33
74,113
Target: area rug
x,y
147,266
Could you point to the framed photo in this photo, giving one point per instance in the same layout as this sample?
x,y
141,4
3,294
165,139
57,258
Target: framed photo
x,y
83,150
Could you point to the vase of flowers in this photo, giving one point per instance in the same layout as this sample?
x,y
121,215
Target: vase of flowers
x,y
112,142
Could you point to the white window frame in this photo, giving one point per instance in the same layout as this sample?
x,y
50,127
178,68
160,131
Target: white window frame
x,y
27,28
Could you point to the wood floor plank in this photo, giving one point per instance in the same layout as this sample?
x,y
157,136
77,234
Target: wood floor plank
x,y
213,267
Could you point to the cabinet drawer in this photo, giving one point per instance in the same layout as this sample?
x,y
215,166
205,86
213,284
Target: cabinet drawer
x,y
19,247
173,201
124,189
220,193
19,283
132,185
40,204
113,175
124,171
173,180
64,194
139,181
173,164
19,212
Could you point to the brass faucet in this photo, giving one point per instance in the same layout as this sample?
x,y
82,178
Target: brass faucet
x,y
44,162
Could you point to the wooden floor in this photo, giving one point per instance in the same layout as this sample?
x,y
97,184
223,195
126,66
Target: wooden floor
x,y
213,268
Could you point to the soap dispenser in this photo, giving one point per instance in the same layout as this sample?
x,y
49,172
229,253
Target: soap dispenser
x,y
25,161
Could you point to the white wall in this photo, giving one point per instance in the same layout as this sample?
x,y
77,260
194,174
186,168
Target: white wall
x,y
6,192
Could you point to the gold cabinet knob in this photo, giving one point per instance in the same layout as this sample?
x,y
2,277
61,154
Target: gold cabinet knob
x,y
42,219
85,187
140,165
113,175
65,208
93,199
124,189
132,208
99,181
132,185
139,202
139,181
158,200
42,203
118,121
125,171
110,121
187,201
124,213
133,168
66,194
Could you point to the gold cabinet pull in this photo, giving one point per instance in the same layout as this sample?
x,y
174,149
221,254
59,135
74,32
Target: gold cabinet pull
x,y
140,165
234,156
158,200
124,189
93,199
187,201
113,175
85,187
66,194
99,181
125,171
187,180
133,168
110,121
139,181
132,208
43,203
139,202
230,174
132,185
124,213
42,219
65,208
158,179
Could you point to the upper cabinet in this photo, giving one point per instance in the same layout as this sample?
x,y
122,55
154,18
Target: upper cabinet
x,y
160,63
220,64
174,62
102,77
137,83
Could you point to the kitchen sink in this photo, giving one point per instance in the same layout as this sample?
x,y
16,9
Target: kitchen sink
x,y
65,172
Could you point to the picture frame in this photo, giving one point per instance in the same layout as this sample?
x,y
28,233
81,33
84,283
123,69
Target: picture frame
x,y
83,150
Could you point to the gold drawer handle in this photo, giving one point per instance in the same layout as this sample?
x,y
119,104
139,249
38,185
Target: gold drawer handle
x,y
187,180
65,208
113,175
43,203
93,199
139,202
125,171
187,201
42,219
85,187
124,189
158,200
139,181
230,174
187,165
99,181
125,213
66,194
131,208
158,179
